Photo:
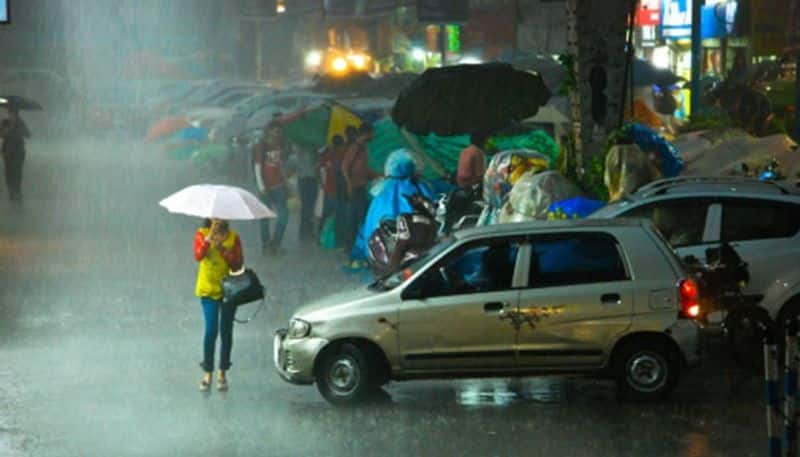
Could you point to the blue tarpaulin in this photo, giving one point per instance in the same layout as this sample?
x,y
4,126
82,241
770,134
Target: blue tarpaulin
x,y
669,160
577,207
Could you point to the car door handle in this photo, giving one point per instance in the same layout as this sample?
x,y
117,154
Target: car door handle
x,y
611,299
493,307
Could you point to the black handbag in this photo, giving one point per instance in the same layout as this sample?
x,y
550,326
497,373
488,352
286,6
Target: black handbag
x,y
242,287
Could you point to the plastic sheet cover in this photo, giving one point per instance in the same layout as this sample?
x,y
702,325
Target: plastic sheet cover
x,y
533,194
627,168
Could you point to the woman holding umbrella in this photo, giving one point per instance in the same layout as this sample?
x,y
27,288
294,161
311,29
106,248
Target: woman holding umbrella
x,y
13,131
218,250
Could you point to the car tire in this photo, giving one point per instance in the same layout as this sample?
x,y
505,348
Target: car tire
x,y
646,369
745,336
344,375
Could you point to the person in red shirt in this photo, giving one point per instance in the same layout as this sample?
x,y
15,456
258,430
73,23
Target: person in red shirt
x,y
268,158
357,174
329,165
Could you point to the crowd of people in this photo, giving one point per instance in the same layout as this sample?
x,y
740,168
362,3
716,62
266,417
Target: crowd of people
x,y
332,182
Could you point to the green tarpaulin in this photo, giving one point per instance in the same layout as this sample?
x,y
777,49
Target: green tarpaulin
x,y
439,154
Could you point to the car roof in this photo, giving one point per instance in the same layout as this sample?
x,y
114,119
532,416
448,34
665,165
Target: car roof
x,y
521,228
716,185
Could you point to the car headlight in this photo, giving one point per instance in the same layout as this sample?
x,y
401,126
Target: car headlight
x,y
298,328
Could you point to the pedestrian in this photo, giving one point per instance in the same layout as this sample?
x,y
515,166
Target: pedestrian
x,y
342,217
218,250
13,132
305,160
329,166
268,157
357,174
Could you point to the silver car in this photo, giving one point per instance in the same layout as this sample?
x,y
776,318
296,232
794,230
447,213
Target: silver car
x,y
760,219
600,298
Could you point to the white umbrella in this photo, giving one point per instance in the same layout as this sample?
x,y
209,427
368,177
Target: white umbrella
x,y
216,201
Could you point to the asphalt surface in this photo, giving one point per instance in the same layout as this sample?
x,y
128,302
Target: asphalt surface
x,y
100,339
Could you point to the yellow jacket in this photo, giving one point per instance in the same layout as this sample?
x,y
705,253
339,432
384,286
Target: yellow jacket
x,y
213,266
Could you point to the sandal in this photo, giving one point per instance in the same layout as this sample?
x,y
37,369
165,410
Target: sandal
x,y
205,384
222,384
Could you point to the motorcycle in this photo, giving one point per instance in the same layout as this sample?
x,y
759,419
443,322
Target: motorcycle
x,y
721,280
398,241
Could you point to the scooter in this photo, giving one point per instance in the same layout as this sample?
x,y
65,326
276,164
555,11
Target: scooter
x,y
398,241
458,209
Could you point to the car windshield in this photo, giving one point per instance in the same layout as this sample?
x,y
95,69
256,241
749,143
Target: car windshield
x,y
408,270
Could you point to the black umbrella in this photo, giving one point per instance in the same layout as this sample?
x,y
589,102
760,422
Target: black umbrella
x,y
20,103
469,98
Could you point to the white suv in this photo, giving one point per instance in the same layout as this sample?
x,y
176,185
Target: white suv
x,y
760,219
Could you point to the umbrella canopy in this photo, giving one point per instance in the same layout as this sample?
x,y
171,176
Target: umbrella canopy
x,y
20,103
166,127
314,127
467,98
216,201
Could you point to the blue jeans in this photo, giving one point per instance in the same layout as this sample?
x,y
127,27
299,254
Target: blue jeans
x,y
219,319
278,201
356,212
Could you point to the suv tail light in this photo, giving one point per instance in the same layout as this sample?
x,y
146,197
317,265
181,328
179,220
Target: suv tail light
x,y
689,298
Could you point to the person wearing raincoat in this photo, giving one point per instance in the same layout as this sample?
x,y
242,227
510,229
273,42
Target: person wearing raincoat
x,y
218,250
13,132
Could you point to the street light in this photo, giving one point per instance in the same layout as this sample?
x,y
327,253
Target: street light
x,y
418,54
339,64
280,7
313,58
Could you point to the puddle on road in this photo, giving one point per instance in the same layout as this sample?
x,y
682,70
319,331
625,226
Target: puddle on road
x,y
501,393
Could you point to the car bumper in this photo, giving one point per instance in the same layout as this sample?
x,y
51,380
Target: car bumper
x,y
689,337
294,358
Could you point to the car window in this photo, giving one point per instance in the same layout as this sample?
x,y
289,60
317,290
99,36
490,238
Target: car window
x,y
575,258
681,221
485,266
754,219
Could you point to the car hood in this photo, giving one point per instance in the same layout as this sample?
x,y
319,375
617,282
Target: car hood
x,y
337,303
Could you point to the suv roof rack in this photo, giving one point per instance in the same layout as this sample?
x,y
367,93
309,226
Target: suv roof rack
x,y
663,185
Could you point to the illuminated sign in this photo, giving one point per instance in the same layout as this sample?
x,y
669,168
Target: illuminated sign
x,y
676,19
4,16
718,20
648,13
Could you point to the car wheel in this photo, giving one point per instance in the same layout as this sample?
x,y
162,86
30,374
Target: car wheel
x,y
344,375
745,329
647,370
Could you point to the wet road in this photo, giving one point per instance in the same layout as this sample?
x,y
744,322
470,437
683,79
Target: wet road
x,y
100,340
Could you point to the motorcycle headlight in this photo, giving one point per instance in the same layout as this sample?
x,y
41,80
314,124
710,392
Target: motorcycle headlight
x,y
298,328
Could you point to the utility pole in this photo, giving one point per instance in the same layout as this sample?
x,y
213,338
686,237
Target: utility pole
x,y
797,96
697,50
443,42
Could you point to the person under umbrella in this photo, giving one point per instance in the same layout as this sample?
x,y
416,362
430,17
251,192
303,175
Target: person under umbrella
x,y
13,131
357,174
218,250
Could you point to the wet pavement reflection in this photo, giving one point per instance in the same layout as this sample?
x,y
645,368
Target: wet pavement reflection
x,y
100,338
